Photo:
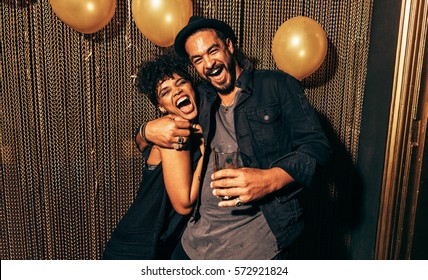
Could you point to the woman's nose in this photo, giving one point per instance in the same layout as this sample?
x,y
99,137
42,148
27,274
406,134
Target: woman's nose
x,y
177,91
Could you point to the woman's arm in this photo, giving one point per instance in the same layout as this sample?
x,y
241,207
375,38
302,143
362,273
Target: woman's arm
x,y
181,184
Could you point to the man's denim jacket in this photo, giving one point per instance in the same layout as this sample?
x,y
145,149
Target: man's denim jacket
x,y
275,127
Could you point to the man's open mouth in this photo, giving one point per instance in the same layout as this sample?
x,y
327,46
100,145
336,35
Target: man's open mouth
x,y
214,72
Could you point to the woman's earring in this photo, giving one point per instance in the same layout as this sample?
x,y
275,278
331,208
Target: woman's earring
x,y
163,111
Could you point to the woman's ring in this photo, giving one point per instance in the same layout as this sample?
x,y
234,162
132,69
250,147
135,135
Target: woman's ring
x,y
239,202
180,140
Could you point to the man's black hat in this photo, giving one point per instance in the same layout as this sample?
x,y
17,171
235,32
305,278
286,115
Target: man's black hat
x,y
196,23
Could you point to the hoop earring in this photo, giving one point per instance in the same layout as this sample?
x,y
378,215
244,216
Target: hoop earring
x,y
163,111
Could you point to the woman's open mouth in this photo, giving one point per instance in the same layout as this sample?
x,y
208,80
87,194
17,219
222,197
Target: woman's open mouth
x,y
184,104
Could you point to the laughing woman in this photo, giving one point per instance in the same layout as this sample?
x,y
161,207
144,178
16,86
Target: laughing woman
x,y
153,224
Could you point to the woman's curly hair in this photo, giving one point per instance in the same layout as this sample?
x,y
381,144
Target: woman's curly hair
x,y
153,72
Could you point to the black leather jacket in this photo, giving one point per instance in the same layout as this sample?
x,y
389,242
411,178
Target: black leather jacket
x,y
276,127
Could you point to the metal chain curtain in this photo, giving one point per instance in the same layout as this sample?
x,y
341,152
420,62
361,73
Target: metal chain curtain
x,y
68,112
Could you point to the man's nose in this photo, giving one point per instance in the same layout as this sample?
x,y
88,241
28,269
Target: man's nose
x,y
209,62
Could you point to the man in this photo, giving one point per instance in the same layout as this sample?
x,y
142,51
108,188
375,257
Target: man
x,y
266,115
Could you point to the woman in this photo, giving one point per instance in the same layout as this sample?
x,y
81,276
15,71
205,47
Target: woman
x,y
153,224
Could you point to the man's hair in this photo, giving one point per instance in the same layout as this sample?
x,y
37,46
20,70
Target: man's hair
x,y
154,72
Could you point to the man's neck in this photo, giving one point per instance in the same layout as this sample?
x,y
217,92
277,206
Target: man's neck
x,y
228,99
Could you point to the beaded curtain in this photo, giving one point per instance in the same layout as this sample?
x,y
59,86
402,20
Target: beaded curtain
x,y
69,110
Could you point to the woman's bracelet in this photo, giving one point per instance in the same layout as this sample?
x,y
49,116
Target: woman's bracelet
x,y
143,134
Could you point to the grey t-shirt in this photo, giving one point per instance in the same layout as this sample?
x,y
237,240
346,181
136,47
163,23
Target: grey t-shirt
x,y
227,232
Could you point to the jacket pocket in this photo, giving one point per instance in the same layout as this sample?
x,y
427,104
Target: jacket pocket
x,y
264,124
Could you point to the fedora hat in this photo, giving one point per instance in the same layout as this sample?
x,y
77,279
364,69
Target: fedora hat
x,y
196,23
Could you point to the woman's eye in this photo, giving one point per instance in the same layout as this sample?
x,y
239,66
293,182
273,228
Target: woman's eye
x,y
163,93
182,82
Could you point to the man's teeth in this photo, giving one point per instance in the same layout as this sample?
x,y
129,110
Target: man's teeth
x,y
215,72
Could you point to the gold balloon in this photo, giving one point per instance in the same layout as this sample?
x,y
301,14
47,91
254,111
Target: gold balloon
x,y
161,20
299,46
86,16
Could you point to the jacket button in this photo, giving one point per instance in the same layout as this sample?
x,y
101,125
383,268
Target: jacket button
x,y
266,117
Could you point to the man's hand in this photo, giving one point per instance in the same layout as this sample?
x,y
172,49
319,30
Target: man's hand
x,y
165,132
248,184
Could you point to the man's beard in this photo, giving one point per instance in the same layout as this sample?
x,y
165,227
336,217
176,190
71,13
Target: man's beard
x,y
228,88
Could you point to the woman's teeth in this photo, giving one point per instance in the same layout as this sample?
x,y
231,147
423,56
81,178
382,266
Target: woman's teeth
x,y
181,100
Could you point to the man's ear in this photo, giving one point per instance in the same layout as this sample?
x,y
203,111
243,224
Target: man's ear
x,y
230,46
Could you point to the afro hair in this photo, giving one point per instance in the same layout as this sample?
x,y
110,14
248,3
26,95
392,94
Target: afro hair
x,y
154,72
